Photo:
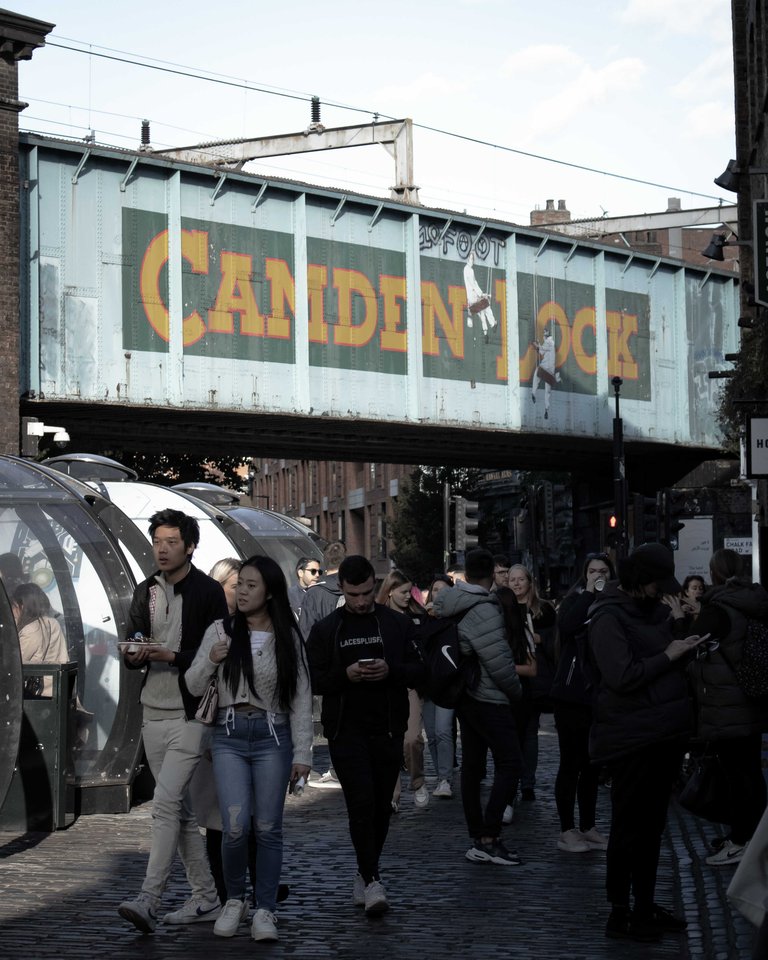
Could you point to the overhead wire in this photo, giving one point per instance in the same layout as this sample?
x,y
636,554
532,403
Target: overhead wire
x,y
188,72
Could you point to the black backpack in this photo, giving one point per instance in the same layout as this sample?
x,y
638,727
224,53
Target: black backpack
x,y
449,672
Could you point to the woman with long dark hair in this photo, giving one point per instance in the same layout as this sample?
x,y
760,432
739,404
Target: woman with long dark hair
x,y
262,740
572,695
41,638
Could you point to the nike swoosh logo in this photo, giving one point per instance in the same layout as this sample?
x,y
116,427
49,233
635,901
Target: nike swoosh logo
x,y
201,912
734,853
446,653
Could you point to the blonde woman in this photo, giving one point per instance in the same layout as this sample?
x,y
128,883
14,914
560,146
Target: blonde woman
x,y
539,619
395,593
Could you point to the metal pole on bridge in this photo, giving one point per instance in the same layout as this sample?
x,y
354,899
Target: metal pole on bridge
x,y
619,476
446,525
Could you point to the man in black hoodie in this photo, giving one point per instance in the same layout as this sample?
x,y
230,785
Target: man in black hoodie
x,y
362,659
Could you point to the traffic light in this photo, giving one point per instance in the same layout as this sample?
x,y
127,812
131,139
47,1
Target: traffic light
x,y
466,523
646,517
674,505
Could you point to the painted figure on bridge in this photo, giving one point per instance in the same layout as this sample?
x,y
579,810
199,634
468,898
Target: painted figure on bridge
x,y
545,370
478,303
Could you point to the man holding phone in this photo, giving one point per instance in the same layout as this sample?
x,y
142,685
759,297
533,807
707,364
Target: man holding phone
x,y
362,660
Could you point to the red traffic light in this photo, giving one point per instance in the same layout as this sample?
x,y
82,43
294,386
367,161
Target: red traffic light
x,y
612,521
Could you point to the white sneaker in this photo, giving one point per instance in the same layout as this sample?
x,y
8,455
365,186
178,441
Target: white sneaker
x,y
443,789
264,926
595,839
141,912
421,797
195,910
232,915
375,899
509,814
572,841
358,891
729,853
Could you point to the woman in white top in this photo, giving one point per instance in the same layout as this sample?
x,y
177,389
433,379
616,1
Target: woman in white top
x,y
262,739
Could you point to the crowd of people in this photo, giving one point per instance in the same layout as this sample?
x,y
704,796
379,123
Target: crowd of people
x,y
636,668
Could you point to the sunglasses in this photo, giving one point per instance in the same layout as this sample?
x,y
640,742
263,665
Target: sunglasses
x,y
597,556
313,571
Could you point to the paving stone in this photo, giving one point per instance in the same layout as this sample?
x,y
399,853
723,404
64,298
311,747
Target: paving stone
x,y
60,891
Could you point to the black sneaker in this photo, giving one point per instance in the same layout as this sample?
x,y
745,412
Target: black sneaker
x,y
624,925
493,852
666,921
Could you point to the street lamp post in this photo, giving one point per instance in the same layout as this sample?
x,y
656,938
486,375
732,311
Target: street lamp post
x,y
619,476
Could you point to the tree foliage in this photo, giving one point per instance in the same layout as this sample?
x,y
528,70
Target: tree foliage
x,y
168,470
749,382
417,529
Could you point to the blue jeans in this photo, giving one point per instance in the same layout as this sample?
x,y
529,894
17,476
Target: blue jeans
x,y
438,722
252,770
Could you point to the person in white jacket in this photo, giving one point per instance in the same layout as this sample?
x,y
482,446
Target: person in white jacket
x,y
262,737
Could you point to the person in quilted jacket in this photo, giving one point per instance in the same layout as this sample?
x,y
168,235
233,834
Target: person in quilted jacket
x,y
485,713
725,716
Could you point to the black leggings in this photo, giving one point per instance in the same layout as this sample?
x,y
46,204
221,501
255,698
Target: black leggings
x,y
577,778
741,760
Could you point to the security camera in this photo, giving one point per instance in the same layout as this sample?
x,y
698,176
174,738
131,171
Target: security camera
x,y
61,438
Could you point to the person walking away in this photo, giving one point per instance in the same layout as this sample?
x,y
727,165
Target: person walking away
x,y
395,593
726,718
363,661
642,719
572,693
174,607
262,738
439,722
484,711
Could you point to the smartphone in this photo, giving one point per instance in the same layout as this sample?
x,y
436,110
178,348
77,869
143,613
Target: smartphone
x,y
365,660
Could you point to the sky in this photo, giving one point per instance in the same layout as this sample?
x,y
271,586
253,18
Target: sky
x,y
637,90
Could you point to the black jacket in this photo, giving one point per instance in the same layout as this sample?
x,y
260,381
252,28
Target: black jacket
x,y
320,599
203,601
642,696
573,681
723,710
329,675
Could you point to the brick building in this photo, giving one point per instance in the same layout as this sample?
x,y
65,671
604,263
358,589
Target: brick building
x,y
353,502
20,36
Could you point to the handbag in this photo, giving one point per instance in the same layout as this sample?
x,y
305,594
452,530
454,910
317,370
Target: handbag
x,y
706,792
208,709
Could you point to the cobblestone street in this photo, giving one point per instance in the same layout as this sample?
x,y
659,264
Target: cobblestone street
x,y
61,890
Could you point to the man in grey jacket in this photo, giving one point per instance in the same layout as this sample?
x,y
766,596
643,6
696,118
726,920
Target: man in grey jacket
x,y
484,713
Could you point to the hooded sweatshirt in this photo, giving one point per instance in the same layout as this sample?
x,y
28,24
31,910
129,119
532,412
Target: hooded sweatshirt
x,y
642,697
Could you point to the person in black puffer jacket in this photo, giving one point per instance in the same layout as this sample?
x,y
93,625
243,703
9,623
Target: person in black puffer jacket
x,y
642,719
725,716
